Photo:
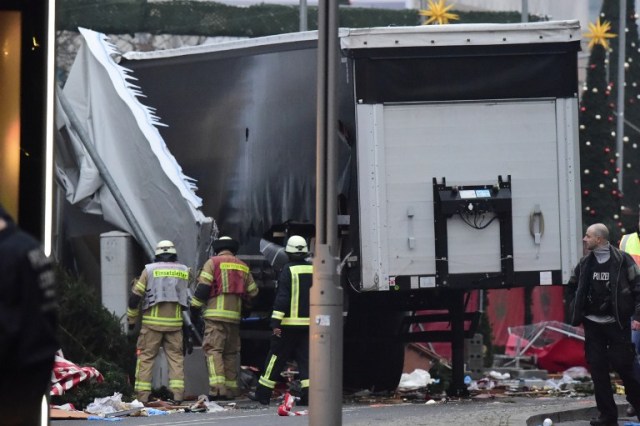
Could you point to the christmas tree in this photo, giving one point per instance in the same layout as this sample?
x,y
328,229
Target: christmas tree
x,y
631,138
600,195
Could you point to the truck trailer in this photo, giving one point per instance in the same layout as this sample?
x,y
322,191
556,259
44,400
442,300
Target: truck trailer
x,y
458,167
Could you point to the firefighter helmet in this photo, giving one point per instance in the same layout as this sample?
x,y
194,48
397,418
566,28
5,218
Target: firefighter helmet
x,y
165,246
296,245
225,243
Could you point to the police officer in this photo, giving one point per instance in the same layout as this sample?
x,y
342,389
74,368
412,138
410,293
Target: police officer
x,y
224,284
604,295
163,291
28,320
289,322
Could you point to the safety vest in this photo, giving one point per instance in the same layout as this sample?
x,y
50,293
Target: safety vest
x,y
166,282
298,315
232,279
631,244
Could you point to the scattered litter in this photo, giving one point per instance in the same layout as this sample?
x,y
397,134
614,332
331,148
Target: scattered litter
x,y
111,404
124,413
415,380
106,419
576,373
204,405
67,407
285,409
499,376
363,393
66,414
148,411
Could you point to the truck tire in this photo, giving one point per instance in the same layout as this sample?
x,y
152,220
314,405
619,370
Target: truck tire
x,y
373,350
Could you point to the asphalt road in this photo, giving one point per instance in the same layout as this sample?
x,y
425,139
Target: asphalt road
x,y
500,411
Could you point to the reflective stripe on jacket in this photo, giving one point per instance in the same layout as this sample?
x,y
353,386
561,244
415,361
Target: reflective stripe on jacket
x,y
291,306
231,281
630,243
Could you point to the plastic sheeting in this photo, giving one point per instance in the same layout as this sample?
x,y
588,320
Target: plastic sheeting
x,y
125,135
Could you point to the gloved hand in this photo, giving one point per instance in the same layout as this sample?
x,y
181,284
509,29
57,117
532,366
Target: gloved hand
x,y
187,341
195,314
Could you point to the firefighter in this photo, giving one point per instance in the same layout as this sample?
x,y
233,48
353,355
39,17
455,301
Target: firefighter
x,y
163,290
289,322
28,324
224,284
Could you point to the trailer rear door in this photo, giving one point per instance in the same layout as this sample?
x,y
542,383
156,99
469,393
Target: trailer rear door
x,y
403,147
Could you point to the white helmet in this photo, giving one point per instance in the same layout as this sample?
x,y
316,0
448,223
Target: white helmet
x,y
296,245
165,246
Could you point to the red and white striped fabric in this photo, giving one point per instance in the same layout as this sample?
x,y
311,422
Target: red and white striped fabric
x,y
66,375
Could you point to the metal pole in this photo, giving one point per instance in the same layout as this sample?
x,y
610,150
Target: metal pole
x,y
456,310
620,116
303,15
525,11
325,329
104,173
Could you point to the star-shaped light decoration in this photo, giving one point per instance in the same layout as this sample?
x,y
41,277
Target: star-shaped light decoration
x,y
599,33
438,13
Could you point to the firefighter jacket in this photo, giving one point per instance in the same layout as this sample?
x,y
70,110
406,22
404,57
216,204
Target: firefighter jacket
x,y
630,243
163,290
624,284
224,283
291,304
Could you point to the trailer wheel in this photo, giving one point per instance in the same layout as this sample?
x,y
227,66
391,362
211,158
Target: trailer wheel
x,y
373,351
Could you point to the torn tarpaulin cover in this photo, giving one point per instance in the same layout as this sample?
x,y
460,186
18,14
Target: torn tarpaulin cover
x,y
125,137
66,375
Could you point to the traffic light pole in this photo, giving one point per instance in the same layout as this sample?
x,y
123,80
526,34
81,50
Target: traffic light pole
x,y
325,329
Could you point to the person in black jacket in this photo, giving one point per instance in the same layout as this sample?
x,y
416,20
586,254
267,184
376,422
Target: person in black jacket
x,y
290,323
605,292
28,320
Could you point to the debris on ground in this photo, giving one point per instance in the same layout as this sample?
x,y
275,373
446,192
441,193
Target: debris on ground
x,y
111,406
67,375
66,412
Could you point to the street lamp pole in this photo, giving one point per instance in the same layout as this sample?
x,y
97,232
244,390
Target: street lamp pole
x,y
303,15
325,328
620,98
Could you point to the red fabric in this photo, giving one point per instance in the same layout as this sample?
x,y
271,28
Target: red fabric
x,y
235,277
66,375
547,303
562,355
505,309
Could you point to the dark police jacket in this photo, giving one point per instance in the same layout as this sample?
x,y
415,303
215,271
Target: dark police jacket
x,y
625,288
28,310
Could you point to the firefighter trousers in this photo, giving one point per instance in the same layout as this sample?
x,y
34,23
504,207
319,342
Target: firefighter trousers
x,y
149,343
222,348
292,345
